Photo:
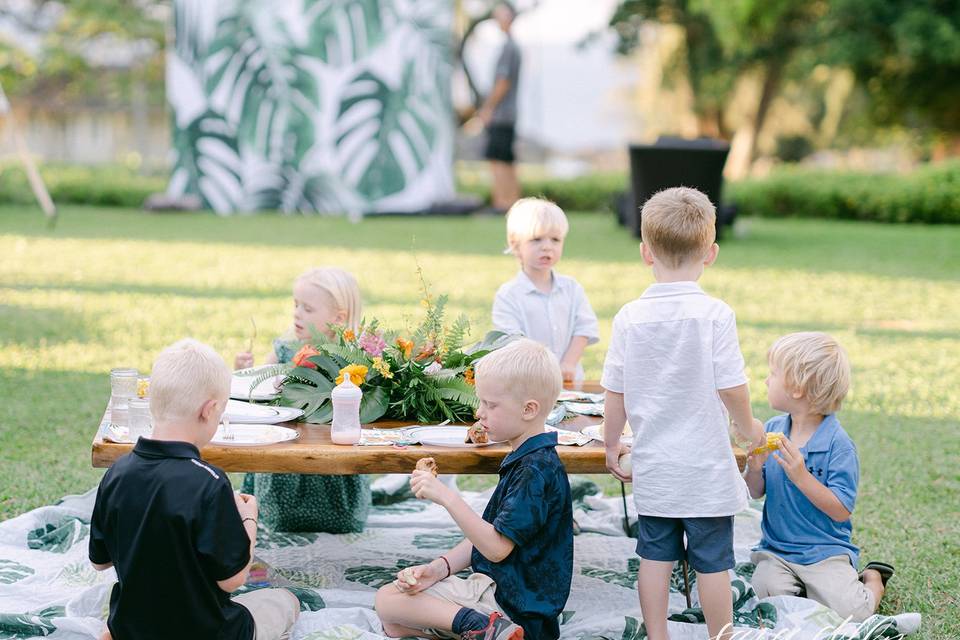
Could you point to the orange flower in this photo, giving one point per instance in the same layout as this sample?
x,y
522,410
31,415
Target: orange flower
x,y
468,376
426,351
357,373
300,360
349,335
405,347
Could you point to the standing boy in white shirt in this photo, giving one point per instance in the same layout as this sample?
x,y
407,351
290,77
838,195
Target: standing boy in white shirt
x,y
539,303
675,370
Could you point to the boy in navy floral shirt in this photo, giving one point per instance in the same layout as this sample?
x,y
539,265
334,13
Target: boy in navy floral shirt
x,y
521,551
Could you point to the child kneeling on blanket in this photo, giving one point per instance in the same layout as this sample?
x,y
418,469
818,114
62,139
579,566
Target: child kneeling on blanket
x,y
170,523
811,484
521,551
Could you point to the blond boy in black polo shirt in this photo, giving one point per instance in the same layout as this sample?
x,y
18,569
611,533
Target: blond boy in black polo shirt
x,y
180,539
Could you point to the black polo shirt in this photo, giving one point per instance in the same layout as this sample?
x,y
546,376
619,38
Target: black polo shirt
x,y
532,506
169,523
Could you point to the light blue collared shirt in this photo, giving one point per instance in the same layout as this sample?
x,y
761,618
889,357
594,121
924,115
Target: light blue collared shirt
x,y
552,319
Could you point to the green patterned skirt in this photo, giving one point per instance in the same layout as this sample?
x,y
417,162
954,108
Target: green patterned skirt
x,y
293,502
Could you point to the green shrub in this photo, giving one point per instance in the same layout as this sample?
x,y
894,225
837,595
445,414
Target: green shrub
x,y
930,194
594,192
76,184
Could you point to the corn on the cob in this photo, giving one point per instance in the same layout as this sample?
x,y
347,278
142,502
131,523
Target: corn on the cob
x,y
772,444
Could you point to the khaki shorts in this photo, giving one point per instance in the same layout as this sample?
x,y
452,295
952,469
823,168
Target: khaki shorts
x,y
833,582
274,611
476,592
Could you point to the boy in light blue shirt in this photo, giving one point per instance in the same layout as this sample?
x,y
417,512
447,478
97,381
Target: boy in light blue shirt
x,y
539,303
811,484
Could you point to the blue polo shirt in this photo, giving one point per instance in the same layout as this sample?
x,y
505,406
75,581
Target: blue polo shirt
x,y
532,506
793,528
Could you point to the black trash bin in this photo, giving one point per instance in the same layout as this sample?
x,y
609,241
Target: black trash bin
x,y
675,162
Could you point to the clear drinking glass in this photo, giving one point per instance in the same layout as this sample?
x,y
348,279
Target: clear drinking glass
x,y
123,387
140,421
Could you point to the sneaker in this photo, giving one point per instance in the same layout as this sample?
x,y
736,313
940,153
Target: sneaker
x,y
498,628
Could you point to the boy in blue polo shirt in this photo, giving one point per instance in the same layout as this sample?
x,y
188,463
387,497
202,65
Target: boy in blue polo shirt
x,y
180,539
811,484
521,551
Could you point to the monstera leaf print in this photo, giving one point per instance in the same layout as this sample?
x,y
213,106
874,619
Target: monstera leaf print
x,y
343,31
11,571
385,133
312,105
207,163
29,625
58,537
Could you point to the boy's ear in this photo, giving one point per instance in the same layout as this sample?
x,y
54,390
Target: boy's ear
x,y
531,409
340,317
712,254
210,411
646,254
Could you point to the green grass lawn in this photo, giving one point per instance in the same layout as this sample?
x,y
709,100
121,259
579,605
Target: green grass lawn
x,y
112,287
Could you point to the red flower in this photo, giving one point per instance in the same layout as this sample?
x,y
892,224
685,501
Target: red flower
x,y
300,360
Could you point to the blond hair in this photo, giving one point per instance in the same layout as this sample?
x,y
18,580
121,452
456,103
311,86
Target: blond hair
x,y
340,288
527,368
678,225
815,365
533,217
185,376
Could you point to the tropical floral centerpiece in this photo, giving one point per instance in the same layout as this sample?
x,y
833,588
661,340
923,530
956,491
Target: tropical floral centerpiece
x,y
425,375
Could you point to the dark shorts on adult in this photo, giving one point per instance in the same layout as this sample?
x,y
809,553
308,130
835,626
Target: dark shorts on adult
x,y
709,547
500,143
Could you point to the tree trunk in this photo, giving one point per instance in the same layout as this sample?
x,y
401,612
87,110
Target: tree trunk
x,y
743,148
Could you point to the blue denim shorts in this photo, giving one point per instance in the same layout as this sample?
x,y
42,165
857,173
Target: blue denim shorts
x,y
709,544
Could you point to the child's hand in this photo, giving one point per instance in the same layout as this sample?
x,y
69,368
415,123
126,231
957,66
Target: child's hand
x,y
790,458
244,360
568,370
755,461
613,463
246,505
415,579
426,486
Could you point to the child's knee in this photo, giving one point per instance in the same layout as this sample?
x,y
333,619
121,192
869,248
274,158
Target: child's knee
x,y
768,580
382,599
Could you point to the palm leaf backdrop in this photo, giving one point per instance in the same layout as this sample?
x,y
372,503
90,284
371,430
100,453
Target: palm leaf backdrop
x,y
312,105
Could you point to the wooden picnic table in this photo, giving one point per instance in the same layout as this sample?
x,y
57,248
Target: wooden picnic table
x,y
314,453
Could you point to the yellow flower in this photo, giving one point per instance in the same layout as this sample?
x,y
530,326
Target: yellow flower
x,y
468,376
349,335
357,373
143,387
382,367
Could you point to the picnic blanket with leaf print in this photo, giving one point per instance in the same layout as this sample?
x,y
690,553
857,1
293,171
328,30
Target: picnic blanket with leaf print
x,y
48,587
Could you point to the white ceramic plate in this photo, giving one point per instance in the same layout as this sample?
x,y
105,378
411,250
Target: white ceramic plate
x,y
240,412
254,435
595,431
444,437
569,438
240,383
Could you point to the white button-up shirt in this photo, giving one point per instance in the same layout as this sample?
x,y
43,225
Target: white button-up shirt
x,y
671,350
552,319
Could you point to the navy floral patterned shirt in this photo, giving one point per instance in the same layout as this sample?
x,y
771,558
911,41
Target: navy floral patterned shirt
x,y
532,506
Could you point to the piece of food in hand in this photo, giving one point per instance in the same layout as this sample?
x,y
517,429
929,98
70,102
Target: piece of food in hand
x,y
625,463
772,444
428,464
477,435
407,574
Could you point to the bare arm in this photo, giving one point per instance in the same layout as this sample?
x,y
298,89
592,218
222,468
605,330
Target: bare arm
x,y
614,419
500,89
102,567
737,401
570,360
754,475
481,534
478,532
790,458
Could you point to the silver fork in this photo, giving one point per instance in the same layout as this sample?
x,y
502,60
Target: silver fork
x,y
225,422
